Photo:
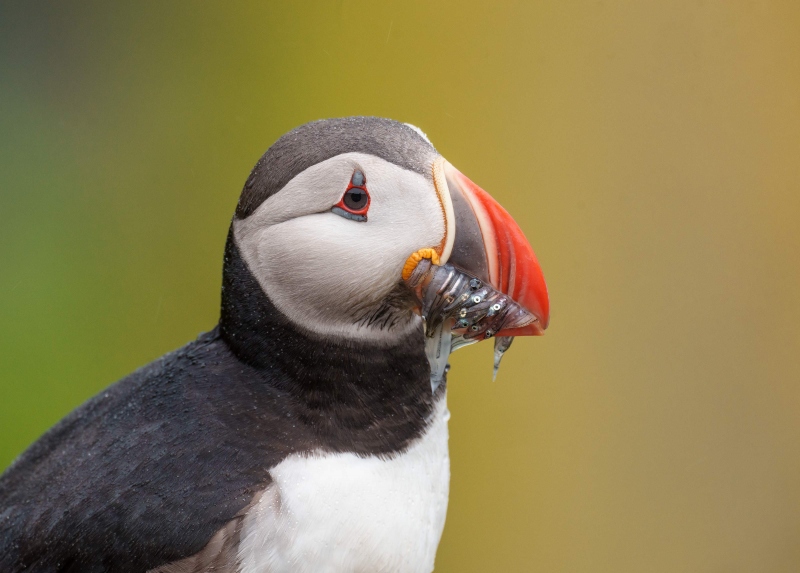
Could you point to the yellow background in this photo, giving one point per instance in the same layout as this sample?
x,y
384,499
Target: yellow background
x,y
649,150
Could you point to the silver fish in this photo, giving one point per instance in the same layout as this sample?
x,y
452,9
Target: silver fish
x,y
459,309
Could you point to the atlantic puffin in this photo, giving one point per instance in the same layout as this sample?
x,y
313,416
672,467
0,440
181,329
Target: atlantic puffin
x,y
303,432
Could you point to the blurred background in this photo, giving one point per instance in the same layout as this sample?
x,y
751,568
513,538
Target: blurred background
x,y
650,151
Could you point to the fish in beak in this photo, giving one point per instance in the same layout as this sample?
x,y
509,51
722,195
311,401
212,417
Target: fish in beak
x,y
483,281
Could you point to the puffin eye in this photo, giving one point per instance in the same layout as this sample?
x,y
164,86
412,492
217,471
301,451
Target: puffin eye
x,y
355,201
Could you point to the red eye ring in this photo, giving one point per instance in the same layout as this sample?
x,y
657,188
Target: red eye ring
x,y
355,201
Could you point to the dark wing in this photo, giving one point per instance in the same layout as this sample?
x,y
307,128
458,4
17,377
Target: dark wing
x,y
148,471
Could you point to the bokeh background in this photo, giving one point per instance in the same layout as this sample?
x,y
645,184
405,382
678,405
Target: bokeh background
x,y
649,150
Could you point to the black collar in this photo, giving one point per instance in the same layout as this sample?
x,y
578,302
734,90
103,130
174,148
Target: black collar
x,y
350,392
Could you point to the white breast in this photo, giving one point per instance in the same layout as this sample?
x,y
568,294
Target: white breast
x,y
331,513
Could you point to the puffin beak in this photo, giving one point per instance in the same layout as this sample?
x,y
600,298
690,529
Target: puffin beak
x,y
490,246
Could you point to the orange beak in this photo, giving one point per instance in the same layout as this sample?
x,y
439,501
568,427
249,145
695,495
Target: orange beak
x,y
490,245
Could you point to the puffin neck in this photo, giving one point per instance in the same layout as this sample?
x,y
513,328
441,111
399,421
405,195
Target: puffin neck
x,y
321,371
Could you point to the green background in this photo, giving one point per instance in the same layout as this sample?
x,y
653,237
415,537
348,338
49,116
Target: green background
x,y
649,150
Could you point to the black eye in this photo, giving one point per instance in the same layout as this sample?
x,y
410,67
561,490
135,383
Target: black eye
x,y
355,199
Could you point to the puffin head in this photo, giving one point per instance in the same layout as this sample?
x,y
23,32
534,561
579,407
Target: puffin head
x,y
336,213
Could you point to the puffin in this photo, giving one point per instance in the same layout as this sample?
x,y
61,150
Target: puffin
x,y
307,431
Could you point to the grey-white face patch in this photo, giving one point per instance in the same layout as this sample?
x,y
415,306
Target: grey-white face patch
x,y
325,272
